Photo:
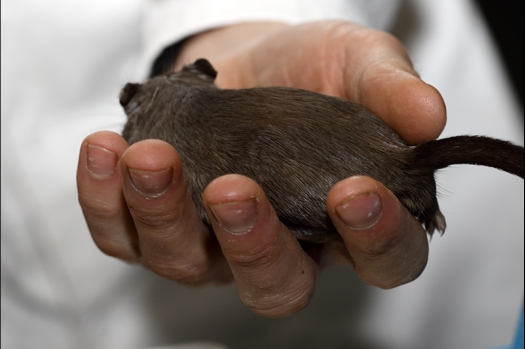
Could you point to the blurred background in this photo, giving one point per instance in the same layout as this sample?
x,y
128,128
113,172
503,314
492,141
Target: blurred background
x,y
505,21
57,288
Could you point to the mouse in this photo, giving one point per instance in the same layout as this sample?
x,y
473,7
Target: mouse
x,y
296,144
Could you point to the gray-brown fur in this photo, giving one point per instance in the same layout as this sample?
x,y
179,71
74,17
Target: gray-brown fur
x,y
295,144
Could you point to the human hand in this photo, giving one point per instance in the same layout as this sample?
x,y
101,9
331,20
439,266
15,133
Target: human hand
x,y
275,275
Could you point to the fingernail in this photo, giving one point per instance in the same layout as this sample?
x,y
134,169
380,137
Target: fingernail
x,y
236,217
101,163
151,184
360,212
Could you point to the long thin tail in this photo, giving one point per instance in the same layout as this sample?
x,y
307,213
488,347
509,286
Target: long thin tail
x,y
473,150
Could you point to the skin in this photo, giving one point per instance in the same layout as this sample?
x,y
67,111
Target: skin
x,y
137,207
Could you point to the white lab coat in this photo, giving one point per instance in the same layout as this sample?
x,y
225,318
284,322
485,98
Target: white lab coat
x,y
63,64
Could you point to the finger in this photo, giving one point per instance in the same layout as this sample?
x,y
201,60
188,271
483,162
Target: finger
x,y
382,78
274,276
365,65
173,240
388,247
99,185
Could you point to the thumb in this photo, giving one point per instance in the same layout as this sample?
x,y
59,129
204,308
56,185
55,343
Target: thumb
x,y
386,83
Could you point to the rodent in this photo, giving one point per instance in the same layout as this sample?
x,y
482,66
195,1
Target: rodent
x,y
296,145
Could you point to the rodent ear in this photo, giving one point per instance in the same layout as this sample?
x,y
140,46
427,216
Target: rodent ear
x,y
127,93
203,68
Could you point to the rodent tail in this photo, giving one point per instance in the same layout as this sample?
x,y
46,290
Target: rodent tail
x,y
472,150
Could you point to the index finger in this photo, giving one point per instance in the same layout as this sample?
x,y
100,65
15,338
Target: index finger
x,y
99,185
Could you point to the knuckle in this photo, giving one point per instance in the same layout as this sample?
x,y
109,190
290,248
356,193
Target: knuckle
x,y
157,218
392,270
190,272
403,275
280,304
123,250
98,209
260,257
378,249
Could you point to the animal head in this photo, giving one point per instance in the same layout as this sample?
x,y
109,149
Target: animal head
x,y
201,72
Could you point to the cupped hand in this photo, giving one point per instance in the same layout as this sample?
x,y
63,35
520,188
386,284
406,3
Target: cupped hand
x,y
137,206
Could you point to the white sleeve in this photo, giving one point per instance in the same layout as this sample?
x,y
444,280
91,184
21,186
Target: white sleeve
x,y
167,22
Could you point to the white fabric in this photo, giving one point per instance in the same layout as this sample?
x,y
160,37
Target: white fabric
x,y
63,64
